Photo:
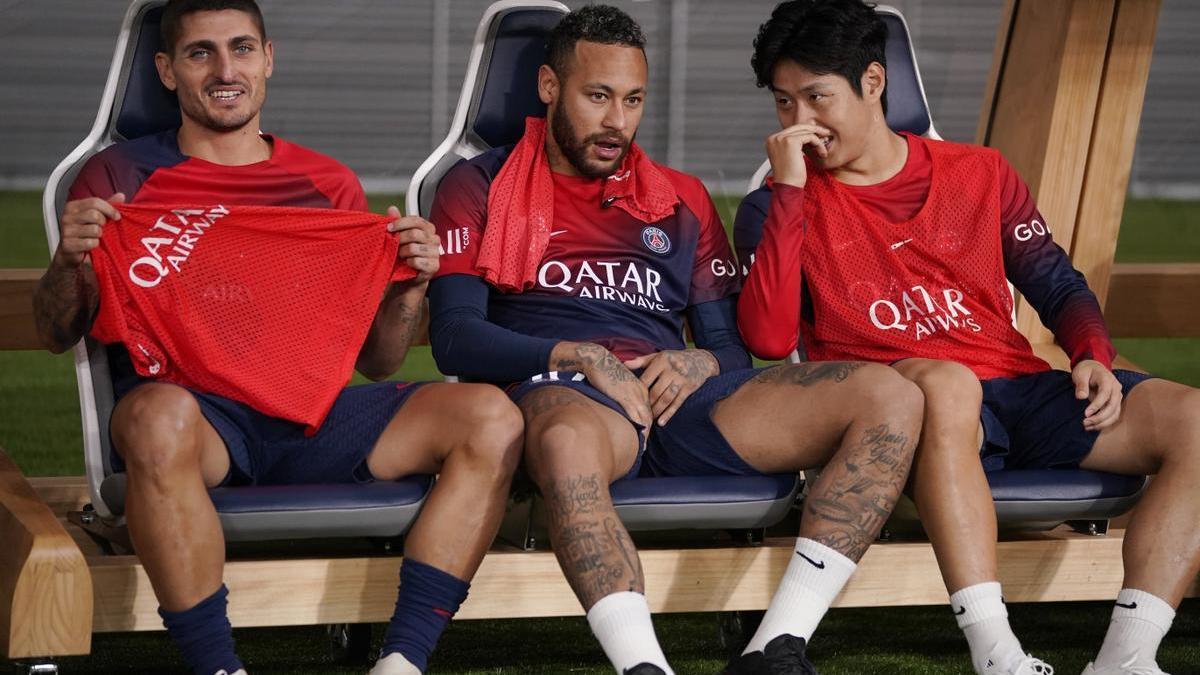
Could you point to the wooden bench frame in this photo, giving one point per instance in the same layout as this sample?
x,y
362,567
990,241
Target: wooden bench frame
x,y
1084,63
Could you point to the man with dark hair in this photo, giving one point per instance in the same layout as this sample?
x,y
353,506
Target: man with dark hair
x,y
175,442
571,262
897,249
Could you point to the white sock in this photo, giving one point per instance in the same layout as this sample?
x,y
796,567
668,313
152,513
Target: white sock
x,y
1139,622
814,577
621,622
983,618
392,664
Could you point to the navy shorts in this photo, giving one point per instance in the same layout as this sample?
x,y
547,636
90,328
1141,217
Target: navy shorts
x,y
1035,421
266,450
689,445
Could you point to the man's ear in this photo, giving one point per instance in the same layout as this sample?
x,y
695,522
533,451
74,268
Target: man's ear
x,y
269,51
548,84
874,79
162,63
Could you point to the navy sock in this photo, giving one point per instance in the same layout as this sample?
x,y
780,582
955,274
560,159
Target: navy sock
x,y
203,634
427,600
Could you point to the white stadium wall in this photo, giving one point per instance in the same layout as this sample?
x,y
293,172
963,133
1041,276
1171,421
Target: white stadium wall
x,y
373,82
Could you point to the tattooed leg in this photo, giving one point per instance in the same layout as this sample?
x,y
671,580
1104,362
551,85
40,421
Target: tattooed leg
x,y
589,541
574,449
858,489
860,421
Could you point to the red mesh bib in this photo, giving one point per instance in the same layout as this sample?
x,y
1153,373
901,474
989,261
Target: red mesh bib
x,y
264,305
930,287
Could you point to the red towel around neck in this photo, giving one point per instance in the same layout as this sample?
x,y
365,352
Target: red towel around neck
x,y
521,206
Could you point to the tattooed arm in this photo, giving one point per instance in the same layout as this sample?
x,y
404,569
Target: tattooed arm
x,y
396,320
68,296
606,373
392,332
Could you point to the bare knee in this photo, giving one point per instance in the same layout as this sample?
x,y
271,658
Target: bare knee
x,y
154,429
1174,438
882,393
948,384
496,429
569,451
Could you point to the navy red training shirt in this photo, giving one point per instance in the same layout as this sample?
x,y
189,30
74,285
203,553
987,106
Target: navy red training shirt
x,y
152,171
914,266
606,277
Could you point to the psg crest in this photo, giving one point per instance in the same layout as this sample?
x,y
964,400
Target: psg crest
x,y
656,240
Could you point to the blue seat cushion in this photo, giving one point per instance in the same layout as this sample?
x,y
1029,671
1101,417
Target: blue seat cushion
x,y
1060,485
342,496
702,489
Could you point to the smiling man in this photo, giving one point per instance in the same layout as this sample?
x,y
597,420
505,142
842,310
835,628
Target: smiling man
x,y
572,261
886,247
175,442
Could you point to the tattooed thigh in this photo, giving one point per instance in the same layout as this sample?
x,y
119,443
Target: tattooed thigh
x,y
810,373
549,399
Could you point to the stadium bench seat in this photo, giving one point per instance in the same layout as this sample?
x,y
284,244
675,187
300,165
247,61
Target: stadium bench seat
x,y
499,92
1025,499
135,104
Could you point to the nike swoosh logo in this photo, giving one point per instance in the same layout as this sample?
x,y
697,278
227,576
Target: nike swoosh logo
x,y
814,563
1132,605
900,243
557,232
961,610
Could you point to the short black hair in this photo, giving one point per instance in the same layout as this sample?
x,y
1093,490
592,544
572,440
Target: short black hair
x,y
172,17
841,37
602,24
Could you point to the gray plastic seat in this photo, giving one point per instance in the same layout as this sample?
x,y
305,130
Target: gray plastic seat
x,y
135,104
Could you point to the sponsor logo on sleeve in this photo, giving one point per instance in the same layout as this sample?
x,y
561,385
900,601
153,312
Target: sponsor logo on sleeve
x,y
455,241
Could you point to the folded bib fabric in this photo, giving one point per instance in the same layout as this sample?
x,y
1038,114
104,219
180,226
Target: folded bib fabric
x,y
264,305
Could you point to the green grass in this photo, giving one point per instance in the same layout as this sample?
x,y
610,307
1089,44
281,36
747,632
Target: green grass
x,y
39,426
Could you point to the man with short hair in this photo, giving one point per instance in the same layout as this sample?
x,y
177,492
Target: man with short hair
x,y
571,262
175,443
898,249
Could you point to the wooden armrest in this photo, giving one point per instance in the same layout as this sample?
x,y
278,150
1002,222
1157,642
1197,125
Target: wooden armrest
x,y
45,585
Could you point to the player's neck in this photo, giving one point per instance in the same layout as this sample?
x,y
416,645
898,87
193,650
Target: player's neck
x,y
558,161
228,148
884,155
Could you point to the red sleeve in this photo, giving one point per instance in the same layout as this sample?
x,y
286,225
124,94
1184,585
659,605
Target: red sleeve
x,y
95,179
714,271
1043,273
459,213
342,188
769,306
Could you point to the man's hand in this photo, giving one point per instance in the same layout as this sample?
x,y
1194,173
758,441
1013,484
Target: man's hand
x,y
80,227
1098,384
672,376
785,150
606,373
418,244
